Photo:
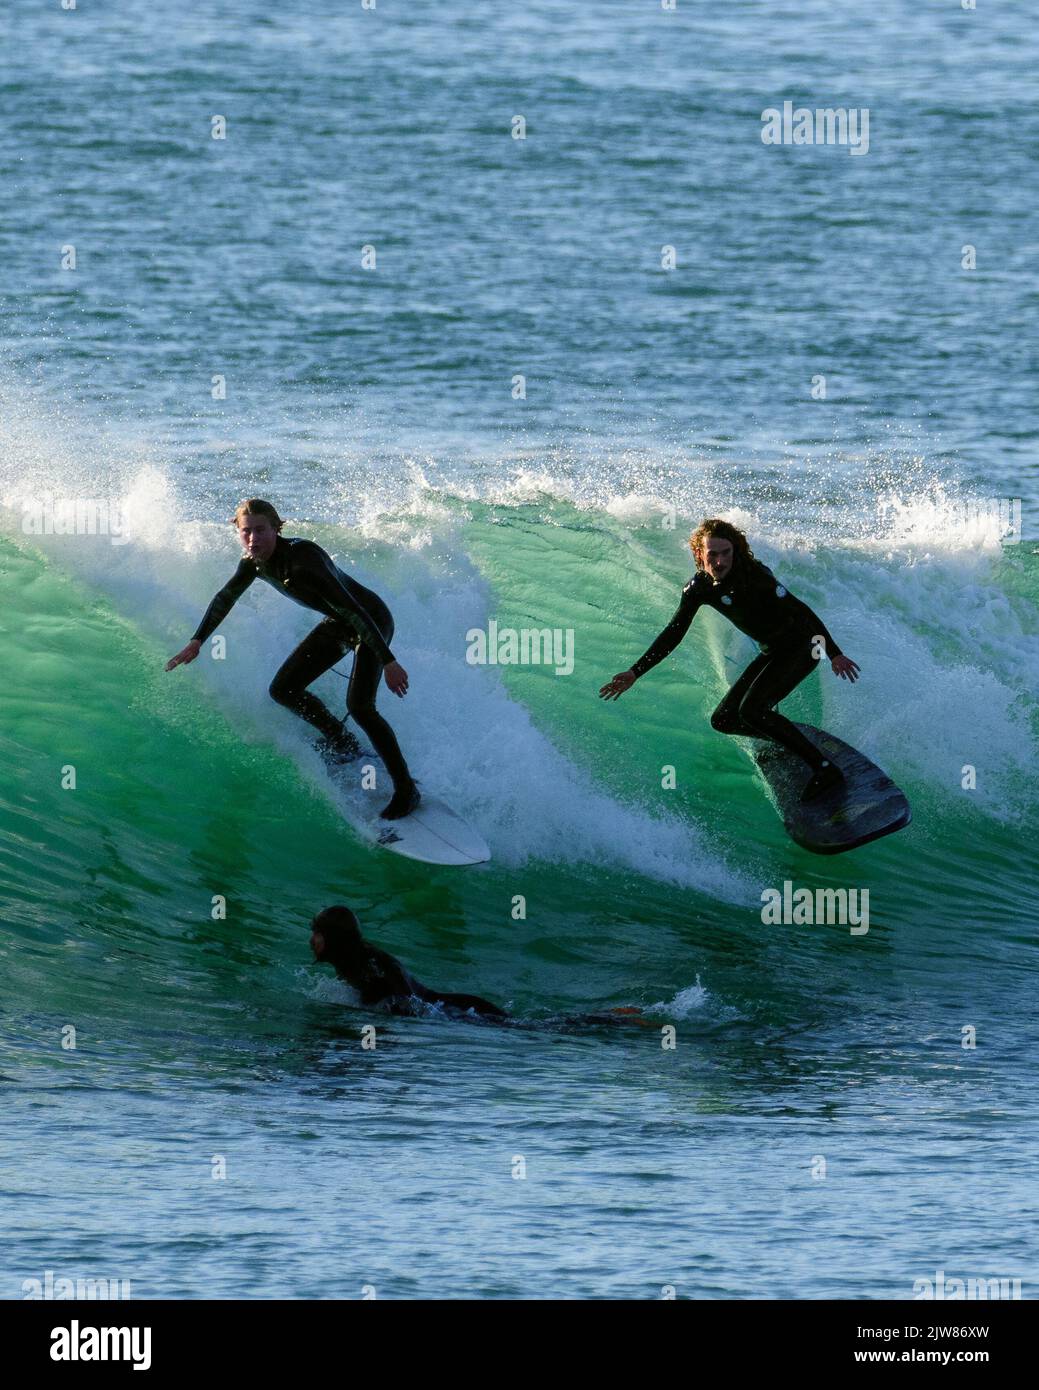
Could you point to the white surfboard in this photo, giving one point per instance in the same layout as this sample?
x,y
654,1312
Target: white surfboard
x,y
432,834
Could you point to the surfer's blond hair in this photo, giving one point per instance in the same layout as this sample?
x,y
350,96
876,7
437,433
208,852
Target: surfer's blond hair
x,y
256,506
724,530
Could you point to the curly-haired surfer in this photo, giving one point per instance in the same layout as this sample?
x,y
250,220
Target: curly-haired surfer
x,y
792,639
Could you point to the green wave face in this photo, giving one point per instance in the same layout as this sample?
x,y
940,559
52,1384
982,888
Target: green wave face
x,y
195,796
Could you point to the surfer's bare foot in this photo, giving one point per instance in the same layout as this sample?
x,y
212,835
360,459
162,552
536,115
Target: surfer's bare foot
x,y
343,748
402,803
827,777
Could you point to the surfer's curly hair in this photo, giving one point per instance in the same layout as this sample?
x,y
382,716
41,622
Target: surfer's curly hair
x,y
714,526
256,506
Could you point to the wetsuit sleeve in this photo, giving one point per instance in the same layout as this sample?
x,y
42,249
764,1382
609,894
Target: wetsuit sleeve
x,y
383,977
321,571
819,628
226,600
807,620
403,1005
673,633
800,615
470,1001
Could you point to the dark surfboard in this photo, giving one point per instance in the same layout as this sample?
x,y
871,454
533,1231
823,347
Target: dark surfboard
x,y
867,806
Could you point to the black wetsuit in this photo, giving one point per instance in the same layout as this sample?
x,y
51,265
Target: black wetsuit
x,y
354,617
382,982
785,629
380,979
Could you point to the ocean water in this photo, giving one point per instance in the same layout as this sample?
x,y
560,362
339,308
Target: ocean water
x,y
820,1127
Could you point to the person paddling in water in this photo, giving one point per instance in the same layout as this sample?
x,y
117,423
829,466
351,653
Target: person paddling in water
x,y
382,982
793,640
354,617
378,977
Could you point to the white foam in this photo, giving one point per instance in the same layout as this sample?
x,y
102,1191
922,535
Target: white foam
x,y
949,662
327,989
463,735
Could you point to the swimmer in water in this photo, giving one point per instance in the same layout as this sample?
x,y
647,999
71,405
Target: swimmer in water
x,y
381,980
378,977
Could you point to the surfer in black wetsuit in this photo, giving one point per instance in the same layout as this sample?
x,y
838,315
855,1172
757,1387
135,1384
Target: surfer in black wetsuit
x,y
354,617
378,977
793,640
381,981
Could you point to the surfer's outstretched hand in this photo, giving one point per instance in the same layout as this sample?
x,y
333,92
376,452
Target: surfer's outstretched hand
x,y
844,667
188,654
614,689
396,678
